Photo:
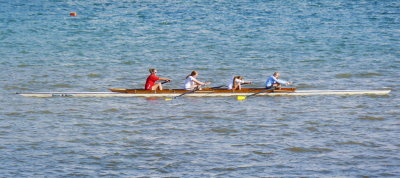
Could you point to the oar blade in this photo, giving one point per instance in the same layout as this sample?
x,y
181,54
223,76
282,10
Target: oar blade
x,y
241,98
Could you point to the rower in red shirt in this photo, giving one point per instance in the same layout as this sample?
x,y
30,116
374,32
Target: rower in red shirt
x,y
151,81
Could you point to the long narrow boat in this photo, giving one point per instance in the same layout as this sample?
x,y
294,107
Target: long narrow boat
x,y
205,92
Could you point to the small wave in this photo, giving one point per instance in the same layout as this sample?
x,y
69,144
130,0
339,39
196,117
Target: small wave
x,y
343,75
128,62
371,118
224,169
81,124
93,75
111,110
13,114
24,65
62,85
40,112
300,150
36,82
15,88
167,23
363,75
225,131
129,132
313,129
352,143
369,74
313,60
94,157
76,76
263,153
301,85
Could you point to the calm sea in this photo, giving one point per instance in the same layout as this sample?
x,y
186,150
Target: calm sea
x,y
326,44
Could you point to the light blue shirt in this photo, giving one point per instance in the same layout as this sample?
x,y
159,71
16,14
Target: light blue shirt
x,y
271,80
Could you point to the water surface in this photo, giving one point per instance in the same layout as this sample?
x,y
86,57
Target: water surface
x,y
318,45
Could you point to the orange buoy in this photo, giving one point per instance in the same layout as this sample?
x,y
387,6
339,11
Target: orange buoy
x,y
73,14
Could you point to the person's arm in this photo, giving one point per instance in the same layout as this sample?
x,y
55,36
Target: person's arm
x,y
283,82
168,80
200,83
242,82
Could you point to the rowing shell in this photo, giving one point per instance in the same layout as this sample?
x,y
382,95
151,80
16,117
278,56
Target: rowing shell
x,y
204,93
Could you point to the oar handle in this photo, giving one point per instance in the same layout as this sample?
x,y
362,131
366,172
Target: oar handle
x,y
273,88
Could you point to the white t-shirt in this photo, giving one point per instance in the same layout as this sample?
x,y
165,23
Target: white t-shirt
x,y
230,84
189,83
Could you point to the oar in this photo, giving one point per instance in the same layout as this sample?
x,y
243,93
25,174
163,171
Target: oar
x,y
191,91
225,86
254,94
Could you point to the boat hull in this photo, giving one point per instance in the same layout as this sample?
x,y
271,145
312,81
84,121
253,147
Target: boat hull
x,y
205,93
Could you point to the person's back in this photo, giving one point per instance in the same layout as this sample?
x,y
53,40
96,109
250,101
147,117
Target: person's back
x,y
189,82
150,81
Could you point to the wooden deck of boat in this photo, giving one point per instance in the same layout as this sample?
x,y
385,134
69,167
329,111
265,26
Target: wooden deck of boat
x,y
170,91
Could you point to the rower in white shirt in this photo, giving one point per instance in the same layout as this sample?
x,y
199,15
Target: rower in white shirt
x,y
236,83
191,82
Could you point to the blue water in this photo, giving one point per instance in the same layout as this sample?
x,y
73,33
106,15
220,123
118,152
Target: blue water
x,y
111,44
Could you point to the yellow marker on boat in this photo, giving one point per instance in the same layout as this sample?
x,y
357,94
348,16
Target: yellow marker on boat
x,y
168,99
241,97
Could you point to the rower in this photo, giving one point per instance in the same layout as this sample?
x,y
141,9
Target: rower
x,y
191,82
151,81
274,81
236,83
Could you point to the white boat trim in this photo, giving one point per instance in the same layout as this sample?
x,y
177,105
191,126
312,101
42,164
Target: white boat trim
x,y
203,94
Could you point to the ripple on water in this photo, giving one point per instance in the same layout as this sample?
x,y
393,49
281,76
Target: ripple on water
x,y
37,82
40,112
371,118
369,74
343,75
304,150
62,85
362,75
313,129
13,114
94,75
304,86
24,65
223,131
18,88
111,110
353,143
263,153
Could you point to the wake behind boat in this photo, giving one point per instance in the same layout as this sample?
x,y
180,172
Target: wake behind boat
x,y
205,93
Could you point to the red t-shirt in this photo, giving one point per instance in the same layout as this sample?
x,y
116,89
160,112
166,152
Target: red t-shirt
x,y
150,81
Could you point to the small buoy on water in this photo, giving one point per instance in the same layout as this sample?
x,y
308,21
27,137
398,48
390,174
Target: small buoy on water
x,y
73,14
